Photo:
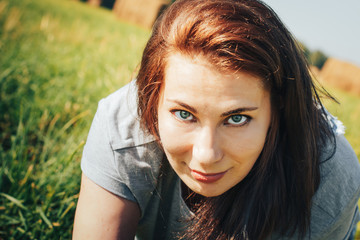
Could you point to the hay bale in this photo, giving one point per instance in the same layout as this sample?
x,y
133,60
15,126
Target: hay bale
x,y
343,75
95,3
142,12
314,72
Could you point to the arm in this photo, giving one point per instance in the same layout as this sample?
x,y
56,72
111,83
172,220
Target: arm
x,y
103,215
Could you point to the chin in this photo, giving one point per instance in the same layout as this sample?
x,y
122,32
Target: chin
x,y
208,192
210,195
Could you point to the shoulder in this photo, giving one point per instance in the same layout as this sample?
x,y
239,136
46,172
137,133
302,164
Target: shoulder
x,y
118,155
334,204
119,112
341,171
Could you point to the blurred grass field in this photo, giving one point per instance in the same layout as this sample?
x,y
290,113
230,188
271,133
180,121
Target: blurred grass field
x,y
57,60
347,111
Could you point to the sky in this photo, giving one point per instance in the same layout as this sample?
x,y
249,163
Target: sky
x,y
331,26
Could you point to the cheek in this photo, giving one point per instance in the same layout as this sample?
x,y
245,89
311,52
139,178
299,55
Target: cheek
x,y
174,139
246,146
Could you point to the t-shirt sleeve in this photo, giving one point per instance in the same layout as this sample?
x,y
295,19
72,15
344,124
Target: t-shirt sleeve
x,y
97,162
118,156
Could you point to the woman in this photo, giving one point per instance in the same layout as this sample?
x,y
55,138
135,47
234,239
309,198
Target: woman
x,y
230,140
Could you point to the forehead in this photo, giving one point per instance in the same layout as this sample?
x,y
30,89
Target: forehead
x,y
196,80
220,66
199,67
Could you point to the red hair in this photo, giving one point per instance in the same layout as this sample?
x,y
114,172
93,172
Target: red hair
x,y
214,29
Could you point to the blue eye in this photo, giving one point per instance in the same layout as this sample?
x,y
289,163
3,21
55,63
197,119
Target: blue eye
x,y
237,120
184,115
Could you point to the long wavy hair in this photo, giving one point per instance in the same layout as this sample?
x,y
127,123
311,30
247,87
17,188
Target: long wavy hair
x,y
246,35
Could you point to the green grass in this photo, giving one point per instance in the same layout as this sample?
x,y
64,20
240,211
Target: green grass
x,y
57,60
347,111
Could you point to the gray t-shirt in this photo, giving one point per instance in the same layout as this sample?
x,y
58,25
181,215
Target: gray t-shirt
x,y
119,157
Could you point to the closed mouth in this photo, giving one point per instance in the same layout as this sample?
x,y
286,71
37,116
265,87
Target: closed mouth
x,y
207,177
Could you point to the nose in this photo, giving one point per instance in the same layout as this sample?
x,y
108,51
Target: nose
x,y
206,147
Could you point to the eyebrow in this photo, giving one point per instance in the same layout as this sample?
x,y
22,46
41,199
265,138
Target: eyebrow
x,y
238,110
184,105
231,112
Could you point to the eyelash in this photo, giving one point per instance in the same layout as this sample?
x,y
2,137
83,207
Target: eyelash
x,y
247,120
176,113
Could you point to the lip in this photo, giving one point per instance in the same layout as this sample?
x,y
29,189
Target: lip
x,y
207,177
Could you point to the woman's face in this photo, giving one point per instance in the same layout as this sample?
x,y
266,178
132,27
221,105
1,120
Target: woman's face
x,y
212,126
